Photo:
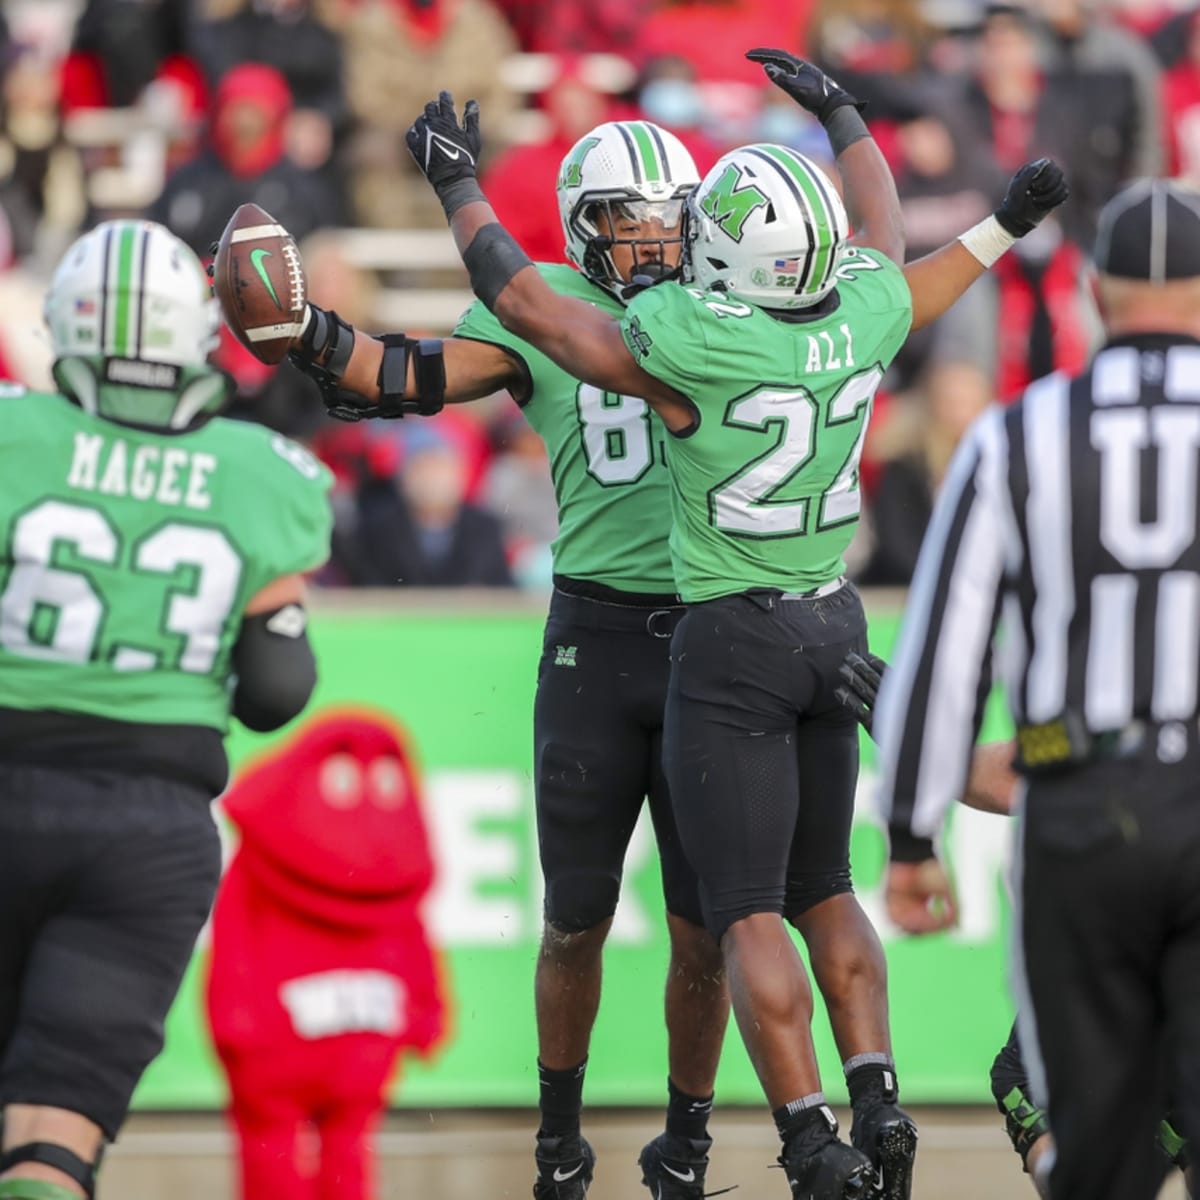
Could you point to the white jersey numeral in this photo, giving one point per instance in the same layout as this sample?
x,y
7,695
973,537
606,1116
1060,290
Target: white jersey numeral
x,y
53,608
745,505
616,435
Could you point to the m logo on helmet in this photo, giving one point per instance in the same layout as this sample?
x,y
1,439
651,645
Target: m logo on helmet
x,y
730,201
572,171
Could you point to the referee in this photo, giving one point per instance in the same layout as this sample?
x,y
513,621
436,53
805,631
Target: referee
x,y
1068,522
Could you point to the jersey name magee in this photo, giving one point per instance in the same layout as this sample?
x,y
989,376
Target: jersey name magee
x,y
131,555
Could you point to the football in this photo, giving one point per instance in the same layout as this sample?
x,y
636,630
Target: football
x,y
258,280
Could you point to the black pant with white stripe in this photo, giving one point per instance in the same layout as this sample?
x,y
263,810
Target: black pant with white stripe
x,y
1109,890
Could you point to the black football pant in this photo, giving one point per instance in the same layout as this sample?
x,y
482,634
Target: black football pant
x,y
105,882
1108,887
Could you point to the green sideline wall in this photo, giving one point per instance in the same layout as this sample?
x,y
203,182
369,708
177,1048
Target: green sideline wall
x,y
458,671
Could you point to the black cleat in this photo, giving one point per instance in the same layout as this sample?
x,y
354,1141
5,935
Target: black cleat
x,y
823,1167
888,1135
564,1167
884,1132
673,1167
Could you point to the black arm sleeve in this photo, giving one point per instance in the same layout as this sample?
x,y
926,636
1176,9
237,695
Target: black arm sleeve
x,y
275,668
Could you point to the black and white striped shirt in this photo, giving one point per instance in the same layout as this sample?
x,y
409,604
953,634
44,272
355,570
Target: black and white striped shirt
x,y
1068,524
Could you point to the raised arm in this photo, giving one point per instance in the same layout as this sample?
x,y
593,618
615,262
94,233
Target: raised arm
x,y
576,335
940,277
362,376
869,191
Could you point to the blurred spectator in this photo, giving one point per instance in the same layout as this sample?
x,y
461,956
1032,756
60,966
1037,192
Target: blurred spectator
x,y
416,529
714,34
521,180
245,161
132,56
569,27
131,52
1181,101
321,968
285,35
518,489
670,94
1086,42
915,444
398,54
25,352
1044,318
946,183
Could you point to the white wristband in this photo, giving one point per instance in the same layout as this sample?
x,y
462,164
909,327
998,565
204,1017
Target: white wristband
x,y
987,241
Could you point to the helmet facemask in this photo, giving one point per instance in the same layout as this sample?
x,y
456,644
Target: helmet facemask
x,y
629,174
608,222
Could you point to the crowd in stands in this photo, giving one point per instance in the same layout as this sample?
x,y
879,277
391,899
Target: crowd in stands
x,y
184,109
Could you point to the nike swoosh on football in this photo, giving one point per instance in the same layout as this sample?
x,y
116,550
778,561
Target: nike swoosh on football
x,y
256,257
559,1174
688,1176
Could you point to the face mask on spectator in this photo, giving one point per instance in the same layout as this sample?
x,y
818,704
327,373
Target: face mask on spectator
x,y
672,102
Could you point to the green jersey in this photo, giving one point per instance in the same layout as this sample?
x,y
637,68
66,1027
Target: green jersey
x,y
606,458
130,556
765,489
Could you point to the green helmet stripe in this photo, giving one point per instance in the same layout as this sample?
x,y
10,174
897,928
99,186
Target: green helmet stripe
x,y
821,212
652,168
123,252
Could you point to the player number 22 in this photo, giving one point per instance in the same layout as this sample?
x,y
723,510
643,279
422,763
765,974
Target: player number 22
x,y
746,505
66,603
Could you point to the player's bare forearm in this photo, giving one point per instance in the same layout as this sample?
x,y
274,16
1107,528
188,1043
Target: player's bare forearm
x,y
872,203
991,781
938,279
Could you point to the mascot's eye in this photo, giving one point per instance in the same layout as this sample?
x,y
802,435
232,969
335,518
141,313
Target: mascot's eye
x,y
341,781
387,784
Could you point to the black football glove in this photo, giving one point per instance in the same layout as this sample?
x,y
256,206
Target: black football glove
x,y
1034,192
447,152
863,677
322,354
809,86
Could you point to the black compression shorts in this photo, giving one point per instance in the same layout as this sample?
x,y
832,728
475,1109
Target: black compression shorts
x,y
105,882
602,683
761,756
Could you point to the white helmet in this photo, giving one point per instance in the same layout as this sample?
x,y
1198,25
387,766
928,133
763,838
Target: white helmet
x,y
642,169
132,323
766,225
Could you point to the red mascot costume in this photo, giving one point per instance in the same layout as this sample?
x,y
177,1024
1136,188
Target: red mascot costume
x,y
321,968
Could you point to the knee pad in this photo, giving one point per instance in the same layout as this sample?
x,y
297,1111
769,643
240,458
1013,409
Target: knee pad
x,y
48,1154
576,903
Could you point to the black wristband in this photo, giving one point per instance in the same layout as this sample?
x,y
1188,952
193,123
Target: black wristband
x,y
492,259
845,127
907,847
462,191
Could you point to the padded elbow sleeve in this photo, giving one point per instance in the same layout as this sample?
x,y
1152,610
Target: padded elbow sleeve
x,y
275,668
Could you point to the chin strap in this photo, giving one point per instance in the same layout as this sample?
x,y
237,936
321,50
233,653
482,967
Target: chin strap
x,y
324,353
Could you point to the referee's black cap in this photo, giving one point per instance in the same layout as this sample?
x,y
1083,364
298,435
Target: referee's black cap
x,y
1150,231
